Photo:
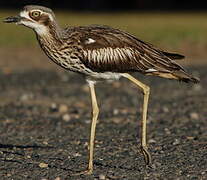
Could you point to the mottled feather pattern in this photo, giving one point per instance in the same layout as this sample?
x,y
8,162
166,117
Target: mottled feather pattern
x,y
115,50
99,49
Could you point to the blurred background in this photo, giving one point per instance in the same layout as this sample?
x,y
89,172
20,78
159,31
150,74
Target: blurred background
x,y
113,5
43,105
177,26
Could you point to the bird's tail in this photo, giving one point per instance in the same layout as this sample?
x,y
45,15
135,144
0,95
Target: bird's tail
x,y
178,75
185,77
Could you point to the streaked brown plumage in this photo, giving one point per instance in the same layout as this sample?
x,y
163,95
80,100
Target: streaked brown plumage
x,y
101,53
115,51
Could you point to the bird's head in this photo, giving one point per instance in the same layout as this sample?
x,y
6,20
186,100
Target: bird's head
x,y
38,18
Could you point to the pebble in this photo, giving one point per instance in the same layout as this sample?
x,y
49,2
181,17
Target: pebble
x,y
26,97
151,141
63,108
43,165
176,142
57,178
53,107
116,120
66,117
165,109
167,131
190,137
77,154
115,111
194,116
102,177
45,142
88,121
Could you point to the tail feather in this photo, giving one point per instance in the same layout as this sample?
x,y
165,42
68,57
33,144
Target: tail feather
x,y
178,75
173,56
185,77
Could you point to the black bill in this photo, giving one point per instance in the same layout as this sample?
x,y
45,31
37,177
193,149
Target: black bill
x,y
12,19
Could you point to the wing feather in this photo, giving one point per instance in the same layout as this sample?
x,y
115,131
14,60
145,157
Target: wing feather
x,y
108,49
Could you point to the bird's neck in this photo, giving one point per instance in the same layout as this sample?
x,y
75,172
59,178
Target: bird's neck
x,y
50,35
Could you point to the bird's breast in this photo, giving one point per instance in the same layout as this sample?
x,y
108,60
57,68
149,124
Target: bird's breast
x,y
68,58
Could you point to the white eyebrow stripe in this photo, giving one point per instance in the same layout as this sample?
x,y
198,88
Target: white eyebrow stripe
x,y
24,14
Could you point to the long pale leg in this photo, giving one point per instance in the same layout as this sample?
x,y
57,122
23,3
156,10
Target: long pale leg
x,y
95,112
146,90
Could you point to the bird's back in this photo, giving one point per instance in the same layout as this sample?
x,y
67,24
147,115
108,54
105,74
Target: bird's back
x,y
105,49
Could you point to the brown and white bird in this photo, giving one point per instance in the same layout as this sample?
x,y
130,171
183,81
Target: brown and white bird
x,y
101,53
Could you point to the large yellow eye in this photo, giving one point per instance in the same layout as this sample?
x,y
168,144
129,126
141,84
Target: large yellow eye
x,y
35,14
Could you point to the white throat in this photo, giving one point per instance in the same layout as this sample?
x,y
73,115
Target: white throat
x,y
38,28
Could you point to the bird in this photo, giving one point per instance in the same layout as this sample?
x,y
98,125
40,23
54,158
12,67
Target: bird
x,y
101,53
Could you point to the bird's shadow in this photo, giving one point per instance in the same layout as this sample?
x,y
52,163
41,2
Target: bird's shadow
x,y
11,146
70,171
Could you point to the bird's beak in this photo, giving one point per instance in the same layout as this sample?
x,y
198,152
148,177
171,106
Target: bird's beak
x,y
12,19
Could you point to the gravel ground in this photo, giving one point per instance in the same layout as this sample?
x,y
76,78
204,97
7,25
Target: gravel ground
x,y
45,121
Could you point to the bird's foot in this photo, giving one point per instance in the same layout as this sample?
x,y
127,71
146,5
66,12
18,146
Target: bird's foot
x,y
147,156
86,172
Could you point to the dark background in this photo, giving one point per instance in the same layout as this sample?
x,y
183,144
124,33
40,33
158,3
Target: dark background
x,y
111,5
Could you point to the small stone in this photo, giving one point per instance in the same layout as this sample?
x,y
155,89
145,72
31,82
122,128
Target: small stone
x,y
151,141
77,154
165,109
158,164
43,165
167,131
88,121
85,144
176,142
45,142
76,142
26,97
63,108
194,116
116,120
66,117
203,172
190,137
57,178
102,177
53,107
115,111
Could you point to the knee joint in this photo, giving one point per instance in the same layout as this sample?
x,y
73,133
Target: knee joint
x,y
146,90
95,111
